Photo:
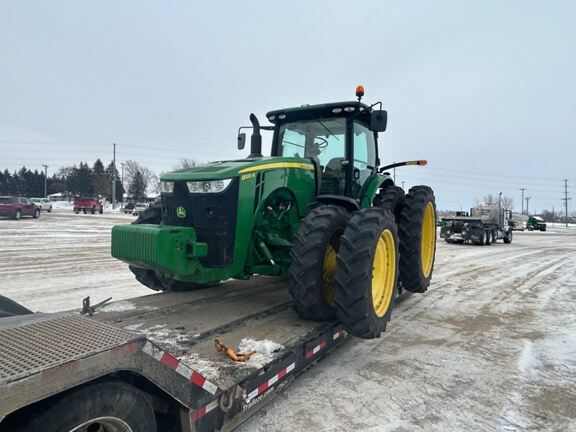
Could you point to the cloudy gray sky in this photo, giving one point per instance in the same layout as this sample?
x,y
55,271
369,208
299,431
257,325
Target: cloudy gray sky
x,y
486,91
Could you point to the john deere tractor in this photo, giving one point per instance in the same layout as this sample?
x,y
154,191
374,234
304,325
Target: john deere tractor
x,y
320,210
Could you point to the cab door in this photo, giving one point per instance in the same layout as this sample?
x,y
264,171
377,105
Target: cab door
x,y
364,156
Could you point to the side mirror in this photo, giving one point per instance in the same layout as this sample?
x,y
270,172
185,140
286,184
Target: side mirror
x,y
378,120
241,141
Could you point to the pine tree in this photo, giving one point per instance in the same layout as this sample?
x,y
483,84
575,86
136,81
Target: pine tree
x,y
137,186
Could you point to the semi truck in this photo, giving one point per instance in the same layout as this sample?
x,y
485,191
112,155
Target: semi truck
x,y
485,224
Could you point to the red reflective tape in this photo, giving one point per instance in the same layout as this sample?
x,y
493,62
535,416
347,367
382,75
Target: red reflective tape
x,y
322,345
262,387
169,361
197,414
282,374
197,379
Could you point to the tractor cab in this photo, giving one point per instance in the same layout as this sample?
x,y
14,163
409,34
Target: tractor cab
x,y
336,137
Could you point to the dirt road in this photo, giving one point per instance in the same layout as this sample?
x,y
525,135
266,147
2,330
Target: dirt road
x,y
491,346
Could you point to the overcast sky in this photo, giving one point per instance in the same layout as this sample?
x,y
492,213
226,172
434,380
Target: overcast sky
x,y
486,91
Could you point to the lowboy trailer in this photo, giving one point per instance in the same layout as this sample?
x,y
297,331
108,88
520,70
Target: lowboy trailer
x,y
150,363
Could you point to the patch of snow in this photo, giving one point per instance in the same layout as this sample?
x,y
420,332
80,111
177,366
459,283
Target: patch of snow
x,y
159,334
123,306
526,360
265,351
120,306
208,368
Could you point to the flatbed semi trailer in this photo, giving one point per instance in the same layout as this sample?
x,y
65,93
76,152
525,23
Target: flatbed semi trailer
x,y
153,358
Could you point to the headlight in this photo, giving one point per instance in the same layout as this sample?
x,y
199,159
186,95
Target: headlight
x,y
166,187
208,186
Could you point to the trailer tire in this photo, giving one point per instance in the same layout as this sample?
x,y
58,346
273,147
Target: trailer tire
x,y
367,272
391,198
120,406
417,233
508,237
313,266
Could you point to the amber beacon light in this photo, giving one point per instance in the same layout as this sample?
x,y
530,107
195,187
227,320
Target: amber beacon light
x,y
359,92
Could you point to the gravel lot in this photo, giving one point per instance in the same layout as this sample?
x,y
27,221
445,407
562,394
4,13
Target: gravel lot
x,y
491,346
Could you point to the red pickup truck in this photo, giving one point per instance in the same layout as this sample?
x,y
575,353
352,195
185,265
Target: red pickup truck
x,y
87,204
16,207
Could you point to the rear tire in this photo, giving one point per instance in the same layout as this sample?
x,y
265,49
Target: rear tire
x,y
488,238
105,406
482,240
17,215
313,266
36,214
391,199
417,232
367,272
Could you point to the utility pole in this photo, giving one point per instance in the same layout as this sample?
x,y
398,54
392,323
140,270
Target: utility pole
x,y
565,199
522,200
122,181
527,205
45,180
114,177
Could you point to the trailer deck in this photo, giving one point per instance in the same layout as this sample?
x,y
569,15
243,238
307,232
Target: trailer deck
x,y
168,338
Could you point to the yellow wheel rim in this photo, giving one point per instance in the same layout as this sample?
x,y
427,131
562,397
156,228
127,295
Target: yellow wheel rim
x,y
383,273
329,270
428,240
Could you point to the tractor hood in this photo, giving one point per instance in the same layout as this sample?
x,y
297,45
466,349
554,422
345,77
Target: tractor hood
x,y
234,168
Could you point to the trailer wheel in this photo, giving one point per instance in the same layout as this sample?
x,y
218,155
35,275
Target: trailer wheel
x,y
391,198
103,407
313,266
508,237
367,272
417,232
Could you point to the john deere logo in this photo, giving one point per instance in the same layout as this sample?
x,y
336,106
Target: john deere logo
x,y
181,212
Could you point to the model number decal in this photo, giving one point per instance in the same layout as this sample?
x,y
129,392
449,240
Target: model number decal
x,y
247,176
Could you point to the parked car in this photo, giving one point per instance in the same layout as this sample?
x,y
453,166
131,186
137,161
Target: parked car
x,y
87,204
139,208
16,207
44,204
128,208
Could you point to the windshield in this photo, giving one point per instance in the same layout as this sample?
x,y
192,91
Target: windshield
x,y
323,140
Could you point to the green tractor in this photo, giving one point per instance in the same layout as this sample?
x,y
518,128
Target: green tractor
x,y
320,210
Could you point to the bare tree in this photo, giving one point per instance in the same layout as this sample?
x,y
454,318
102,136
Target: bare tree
x,y
490,199
507,203
148,178
185,163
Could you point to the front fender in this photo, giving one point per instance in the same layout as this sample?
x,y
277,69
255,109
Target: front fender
x,y
370,188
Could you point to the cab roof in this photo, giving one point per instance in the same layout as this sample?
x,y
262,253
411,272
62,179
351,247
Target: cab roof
x,y
333,109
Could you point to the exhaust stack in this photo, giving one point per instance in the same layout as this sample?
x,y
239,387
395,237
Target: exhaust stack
x,y
256,138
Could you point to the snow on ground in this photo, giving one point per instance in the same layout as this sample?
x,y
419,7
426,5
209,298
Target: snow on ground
x,y
490,346
50,264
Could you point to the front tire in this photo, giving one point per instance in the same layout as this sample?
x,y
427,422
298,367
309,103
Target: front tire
x,y
417,232
508,237
367,272
36,214
107,406
313,266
